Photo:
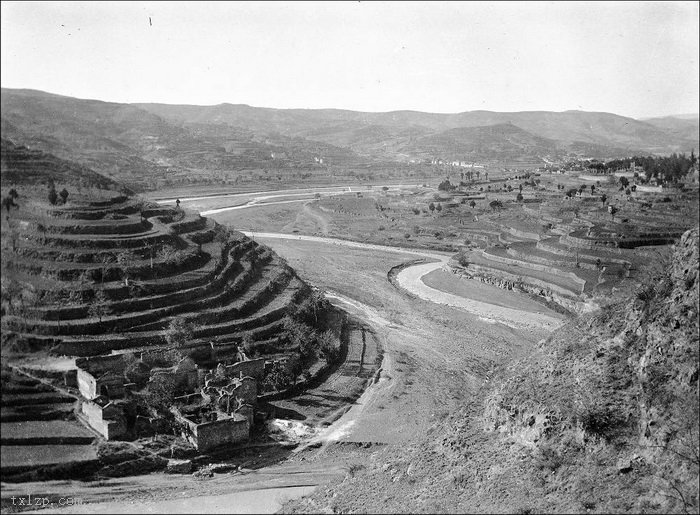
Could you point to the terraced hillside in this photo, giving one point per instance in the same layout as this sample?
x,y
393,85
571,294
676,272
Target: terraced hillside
x,y
39,427
574,250
95,275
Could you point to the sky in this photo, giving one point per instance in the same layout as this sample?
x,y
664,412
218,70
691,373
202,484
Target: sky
x,y
637,59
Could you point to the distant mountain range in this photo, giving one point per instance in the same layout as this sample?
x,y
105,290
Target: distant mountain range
x,y
132,141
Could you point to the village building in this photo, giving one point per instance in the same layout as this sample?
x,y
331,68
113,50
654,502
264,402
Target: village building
x,y
185,373
101,376
105,416
207,430
212,407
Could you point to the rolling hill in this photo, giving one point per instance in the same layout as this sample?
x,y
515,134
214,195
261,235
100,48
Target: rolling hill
x,y
148,145
605,129
683,126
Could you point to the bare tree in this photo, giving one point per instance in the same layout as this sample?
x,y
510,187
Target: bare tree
x,y
99,307
125,261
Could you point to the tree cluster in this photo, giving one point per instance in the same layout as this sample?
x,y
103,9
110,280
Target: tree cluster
x,y
669,168
446,185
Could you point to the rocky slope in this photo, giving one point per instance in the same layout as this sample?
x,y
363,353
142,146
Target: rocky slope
x,y
601,417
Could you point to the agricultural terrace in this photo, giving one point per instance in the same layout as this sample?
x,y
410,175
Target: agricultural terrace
x,y
567,239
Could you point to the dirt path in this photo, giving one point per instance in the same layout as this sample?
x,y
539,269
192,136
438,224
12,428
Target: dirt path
x,y
320,219
329,190
249,491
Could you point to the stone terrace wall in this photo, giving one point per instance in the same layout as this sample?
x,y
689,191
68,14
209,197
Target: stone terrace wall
x,y
253,368
209,435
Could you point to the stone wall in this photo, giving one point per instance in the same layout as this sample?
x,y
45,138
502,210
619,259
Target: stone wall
x,y
254,368
109,384
581,283
247,389
107,420
87,384
548,292
209,435
97,365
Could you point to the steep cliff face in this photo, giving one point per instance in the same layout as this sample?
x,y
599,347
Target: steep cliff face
x,y
666,361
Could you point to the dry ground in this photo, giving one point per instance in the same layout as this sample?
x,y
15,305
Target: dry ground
x,y
436,357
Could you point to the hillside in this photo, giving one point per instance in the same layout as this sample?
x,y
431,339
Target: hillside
x,y
506,140
603,129
102,271
20,165
601,418
683,127
148,146
144,151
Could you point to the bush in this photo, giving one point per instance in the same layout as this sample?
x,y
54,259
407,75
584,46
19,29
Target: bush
x,y
496,205
277,378
594,412
247,346
179,332
548,459
329,347
53,196
462,259
99,307
300,335
445,185
159,394
162,358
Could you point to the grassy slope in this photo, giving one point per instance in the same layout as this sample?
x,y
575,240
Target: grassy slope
x,y
602,417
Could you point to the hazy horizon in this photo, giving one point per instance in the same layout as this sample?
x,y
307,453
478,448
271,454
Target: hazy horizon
x,y
638,60
676,115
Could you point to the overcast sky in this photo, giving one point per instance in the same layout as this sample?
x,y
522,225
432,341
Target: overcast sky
x,y
631,58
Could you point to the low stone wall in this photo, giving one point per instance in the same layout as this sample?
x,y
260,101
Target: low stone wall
x,y
107,420
209,435
544,246
586,243
254,368
103,227
524,234
519,254
556,298
649,189
545,217
534,266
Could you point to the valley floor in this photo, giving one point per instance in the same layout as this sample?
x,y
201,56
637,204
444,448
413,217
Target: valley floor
x,y
435,358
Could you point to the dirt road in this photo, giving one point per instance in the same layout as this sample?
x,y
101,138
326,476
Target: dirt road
x,y
249,491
